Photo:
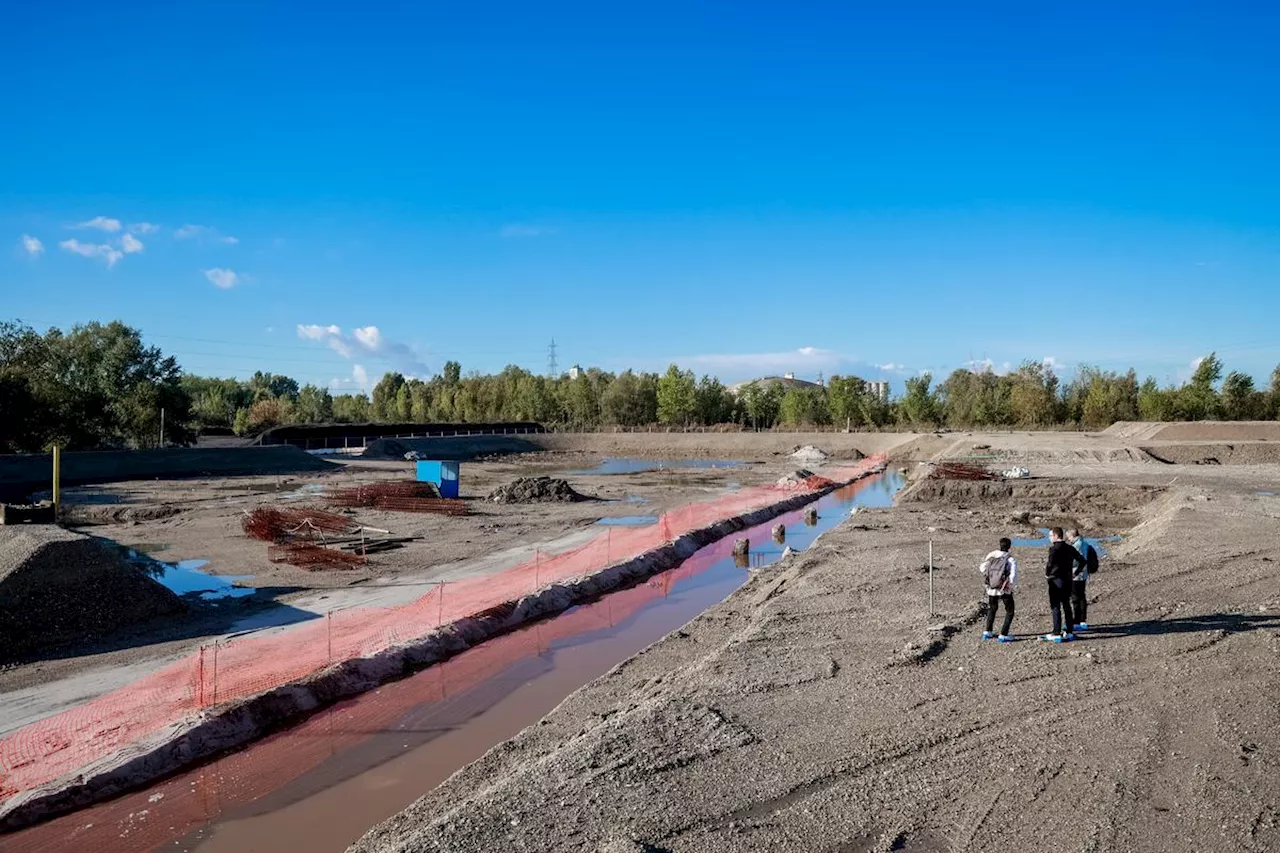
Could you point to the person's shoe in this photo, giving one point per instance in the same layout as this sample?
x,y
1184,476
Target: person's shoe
x,y
1004,638
987,635
1082,626
1052,638
1068,637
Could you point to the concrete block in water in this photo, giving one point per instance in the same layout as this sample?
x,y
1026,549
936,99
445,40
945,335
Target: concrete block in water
x,y
741,547
811,517
779,533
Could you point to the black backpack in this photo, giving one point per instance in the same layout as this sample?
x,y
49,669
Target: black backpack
x,y
1091,558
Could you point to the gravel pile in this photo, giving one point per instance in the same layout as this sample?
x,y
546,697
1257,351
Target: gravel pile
x,y
59,587
809,453
527,490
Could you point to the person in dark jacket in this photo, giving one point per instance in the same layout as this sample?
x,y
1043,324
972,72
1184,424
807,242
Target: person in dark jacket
x,y
1058,571
1080,578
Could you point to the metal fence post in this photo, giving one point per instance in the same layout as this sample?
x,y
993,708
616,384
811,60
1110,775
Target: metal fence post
x,y
440,606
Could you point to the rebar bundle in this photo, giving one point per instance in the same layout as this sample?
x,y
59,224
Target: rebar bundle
x,y
440,506
308,556
278,524
369,494
961,471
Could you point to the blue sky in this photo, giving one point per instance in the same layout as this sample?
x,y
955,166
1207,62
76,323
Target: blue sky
x,y
333,191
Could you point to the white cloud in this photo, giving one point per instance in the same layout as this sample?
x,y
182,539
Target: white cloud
x,y
102,223
891,367
519,229
367,341
204,234
89,250
144,227
32,246
802,361
361,376
130,244
225,279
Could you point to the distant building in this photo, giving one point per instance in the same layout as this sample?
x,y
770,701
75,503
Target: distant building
x,y
575,372
787,381
880,388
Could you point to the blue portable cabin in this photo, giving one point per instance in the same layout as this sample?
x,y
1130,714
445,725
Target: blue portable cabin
x,y
443,474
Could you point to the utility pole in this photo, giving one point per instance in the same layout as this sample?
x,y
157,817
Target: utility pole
x,y
551,360
162,426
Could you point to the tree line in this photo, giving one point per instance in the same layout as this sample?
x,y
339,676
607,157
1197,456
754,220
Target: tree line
x,y
99,385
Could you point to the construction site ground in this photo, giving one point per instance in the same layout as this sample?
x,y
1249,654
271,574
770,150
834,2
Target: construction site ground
x,y
821,707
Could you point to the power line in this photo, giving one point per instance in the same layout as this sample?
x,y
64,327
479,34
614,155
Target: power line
x,y
551,360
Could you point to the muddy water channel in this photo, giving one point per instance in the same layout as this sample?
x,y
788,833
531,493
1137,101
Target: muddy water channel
x,y
319,785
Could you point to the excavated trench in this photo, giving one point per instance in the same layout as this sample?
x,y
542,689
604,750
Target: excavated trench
x,y
319,785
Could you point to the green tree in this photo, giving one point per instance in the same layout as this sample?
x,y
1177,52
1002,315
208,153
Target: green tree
x,y
712,403
1034,395
352,409
844,400
919,406
419,401
630,400
272,385
452,373
1198,400
314,405
1156,403
804,407
386,399
677,397
1238,397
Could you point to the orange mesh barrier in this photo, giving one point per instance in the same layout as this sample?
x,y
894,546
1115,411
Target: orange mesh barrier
x,y
237,669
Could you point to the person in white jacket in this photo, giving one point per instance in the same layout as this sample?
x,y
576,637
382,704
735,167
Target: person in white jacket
x,y
999,573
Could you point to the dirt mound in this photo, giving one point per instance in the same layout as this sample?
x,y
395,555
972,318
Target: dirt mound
x,y
529,490
1043,498
810,454
1245,453
59,587
1218,431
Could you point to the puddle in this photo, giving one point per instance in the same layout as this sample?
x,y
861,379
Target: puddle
x,y
627,465
185,578
629,520
1265,493
1043,542
635,499
323,783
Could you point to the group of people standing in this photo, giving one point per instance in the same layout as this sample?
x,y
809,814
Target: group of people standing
x,y
1071,561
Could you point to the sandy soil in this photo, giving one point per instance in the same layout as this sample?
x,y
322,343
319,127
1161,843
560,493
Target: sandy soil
x,y
821,708
200,519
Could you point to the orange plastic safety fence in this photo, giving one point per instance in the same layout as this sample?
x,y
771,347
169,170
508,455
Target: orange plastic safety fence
x,y
240,668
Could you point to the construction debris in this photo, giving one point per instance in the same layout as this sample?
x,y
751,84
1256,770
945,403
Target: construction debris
x,y
960,471
280,525
368,495
308,556
536,490
803,478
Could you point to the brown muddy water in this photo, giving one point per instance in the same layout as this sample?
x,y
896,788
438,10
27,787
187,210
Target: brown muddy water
x,y
321,784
